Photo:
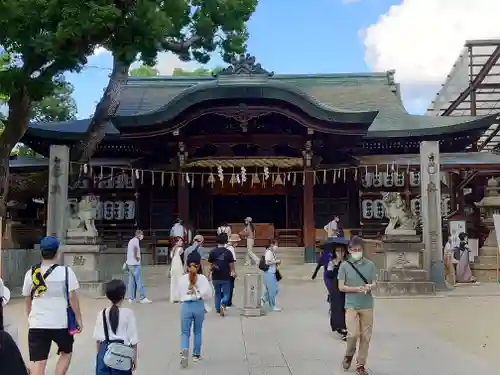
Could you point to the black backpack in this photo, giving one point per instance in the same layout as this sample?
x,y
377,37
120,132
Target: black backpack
x,y
263,266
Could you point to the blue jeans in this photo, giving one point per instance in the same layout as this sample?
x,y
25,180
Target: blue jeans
x,y
222,292
271,288
135,282
101,368
192,314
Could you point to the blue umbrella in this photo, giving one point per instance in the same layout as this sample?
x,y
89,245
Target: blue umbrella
x,y
334,241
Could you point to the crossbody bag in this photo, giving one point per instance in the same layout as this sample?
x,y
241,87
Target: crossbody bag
x,y
73,328
358,272
118,356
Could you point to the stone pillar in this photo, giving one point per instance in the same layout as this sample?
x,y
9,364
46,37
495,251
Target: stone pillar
x,y
309,228
182,198
57,201
252,299
431,212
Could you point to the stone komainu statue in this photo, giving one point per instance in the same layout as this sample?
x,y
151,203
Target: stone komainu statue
x,y
401,218
81,220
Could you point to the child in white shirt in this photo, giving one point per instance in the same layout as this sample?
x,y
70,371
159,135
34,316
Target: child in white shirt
x,y
121,326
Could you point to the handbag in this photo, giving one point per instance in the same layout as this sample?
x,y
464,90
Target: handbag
x,y
118,356
263,266
73,328
278,275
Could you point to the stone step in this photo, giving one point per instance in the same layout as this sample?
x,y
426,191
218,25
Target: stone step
x,y
402,274
488,251
487,261
404,288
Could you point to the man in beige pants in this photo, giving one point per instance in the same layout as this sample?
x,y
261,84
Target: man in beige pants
x,y
357,278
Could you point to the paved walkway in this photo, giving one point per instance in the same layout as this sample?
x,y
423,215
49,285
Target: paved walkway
x,y
296,341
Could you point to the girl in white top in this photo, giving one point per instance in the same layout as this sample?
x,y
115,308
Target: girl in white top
x,y
176,270
121,325
193,289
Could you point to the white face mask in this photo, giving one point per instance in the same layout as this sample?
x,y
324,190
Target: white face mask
x,y
275,247
357,255
141,237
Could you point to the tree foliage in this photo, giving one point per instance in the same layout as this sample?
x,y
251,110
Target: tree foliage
x,y
191,29
144,71
198,72
42,39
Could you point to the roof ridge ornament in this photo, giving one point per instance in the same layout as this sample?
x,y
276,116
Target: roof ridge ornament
x,y
243,65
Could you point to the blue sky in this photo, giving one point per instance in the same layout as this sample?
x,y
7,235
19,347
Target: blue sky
x,y
324,37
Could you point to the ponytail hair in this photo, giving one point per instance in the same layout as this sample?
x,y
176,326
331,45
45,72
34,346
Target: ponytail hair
x,y
193,275
115,292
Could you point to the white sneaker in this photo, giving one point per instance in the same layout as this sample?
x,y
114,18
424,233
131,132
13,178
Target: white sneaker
x,y
277,309
145,300
130,300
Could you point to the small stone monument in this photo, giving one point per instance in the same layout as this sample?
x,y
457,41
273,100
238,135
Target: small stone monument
x,y
402,273
252,298
81,250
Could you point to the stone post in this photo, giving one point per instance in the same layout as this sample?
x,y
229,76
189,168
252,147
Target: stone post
x,y
252,298
431,212
57,201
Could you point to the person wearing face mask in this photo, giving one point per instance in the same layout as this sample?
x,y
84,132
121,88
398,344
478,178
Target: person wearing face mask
x,y
462,262
357,278
133,263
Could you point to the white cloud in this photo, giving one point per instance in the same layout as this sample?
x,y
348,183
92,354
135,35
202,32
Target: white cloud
x,y
421,39
167,62
99,50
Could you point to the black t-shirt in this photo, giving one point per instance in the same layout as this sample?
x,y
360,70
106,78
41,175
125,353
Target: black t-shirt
x,y
221,258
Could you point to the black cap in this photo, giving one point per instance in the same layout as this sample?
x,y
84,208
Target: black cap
x,y
194,258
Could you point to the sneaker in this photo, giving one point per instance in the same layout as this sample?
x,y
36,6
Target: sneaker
x,y
360,370
196,358
222,310
346,363
145,300
130,300
277,309
184,358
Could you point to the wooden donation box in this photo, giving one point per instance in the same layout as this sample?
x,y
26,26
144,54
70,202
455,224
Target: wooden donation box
x,y
263,233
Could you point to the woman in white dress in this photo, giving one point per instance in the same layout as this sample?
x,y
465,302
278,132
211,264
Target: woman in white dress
x,y
176,270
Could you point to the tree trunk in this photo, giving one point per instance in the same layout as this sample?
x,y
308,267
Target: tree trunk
x,y
105,109
15,127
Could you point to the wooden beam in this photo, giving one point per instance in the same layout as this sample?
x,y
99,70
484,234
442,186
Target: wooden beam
x,y
263,140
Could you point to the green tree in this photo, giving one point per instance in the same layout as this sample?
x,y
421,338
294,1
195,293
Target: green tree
x,y
41,40
144,71
198,72
191,29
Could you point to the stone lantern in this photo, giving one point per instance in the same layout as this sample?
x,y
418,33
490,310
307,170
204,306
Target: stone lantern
x,y
486,263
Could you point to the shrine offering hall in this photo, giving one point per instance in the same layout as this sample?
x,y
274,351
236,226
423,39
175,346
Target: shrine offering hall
x,y
290,151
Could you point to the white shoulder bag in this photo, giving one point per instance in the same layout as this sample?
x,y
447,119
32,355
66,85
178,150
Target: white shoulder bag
x,y
118,356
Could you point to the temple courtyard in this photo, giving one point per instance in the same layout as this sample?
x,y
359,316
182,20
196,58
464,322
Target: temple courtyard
x,y
455,333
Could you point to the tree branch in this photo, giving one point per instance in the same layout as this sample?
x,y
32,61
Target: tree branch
x,y
180,47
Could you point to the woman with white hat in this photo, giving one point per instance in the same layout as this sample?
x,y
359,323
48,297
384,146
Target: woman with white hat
x,y
249,234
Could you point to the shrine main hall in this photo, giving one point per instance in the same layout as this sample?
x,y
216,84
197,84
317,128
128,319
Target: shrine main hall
x,y
290,151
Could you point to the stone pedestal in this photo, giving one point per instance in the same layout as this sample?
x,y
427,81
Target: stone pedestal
x,y
403,273
84,260
252,298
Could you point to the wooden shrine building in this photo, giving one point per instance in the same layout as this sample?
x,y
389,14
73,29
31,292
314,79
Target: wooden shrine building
x,y
290,151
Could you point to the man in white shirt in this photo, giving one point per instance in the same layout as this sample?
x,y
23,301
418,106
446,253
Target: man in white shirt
x,y
332,227
178,230
45,290
135,280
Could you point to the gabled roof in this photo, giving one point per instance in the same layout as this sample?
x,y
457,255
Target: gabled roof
x,y
342,98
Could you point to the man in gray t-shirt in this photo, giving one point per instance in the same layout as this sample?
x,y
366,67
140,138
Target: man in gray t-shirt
x,y
357,278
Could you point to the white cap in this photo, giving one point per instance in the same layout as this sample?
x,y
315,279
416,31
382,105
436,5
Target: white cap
x,y
4,293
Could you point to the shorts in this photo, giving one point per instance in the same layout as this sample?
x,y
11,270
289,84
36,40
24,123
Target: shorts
x,y
40,340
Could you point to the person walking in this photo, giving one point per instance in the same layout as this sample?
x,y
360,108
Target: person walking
x,y
195,246
193,289
49,289
357,279
115,324
133,262
221,269
271,276
11,360
224,228
6,323
176,269
249,234
231,245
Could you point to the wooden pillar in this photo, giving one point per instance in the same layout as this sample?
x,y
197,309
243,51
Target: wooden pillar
x,y
182,197
309,227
